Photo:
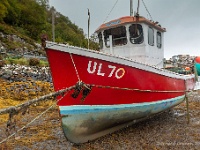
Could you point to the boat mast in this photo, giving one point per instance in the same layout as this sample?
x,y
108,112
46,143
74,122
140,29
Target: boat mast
x,y
88,29
138,8
131,7
53,24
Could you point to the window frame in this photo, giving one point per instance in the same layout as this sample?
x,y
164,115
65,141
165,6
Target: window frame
x,y
159,39
151,36
119,39
136,38
100,37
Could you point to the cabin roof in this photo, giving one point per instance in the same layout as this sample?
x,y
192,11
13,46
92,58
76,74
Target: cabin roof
x,y
130,19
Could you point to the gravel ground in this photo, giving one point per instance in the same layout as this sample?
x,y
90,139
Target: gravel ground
x,y
169,130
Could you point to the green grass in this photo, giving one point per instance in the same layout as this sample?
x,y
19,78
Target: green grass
x,y
43,63
24,61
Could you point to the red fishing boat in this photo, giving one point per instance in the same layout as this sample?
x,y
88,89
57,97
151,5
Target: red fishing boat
x,y
119,85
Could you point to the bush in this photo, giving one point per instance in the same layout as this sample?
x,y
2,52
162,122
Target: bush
x,y
10,61
43,63
34,61
22,61
2,62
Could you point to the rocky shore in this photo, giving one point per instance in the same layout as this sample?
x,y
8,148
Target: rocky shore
x,y
15,73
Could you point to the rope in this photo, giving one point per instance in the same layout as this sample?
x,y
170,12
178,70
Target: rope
x,y
75,68
34,119
132,89
159,63
110,11
18,108
187,107
88,87
147,9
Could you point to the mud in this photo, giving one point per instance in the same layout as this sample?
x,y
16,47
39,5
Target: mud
x,y
169,130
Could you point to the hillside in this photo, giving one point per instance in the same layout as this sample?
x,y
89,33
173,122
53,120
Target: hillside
x,y
27,20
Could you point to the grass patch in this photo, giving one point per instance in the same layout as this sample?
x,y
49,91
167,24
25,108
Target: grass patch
x,y
43,63
24,61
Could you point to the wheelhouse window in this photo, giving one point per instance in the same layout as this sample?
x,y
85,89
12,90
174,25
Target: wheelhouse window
x,y
118,36
100,40
159,40
136,34
151,36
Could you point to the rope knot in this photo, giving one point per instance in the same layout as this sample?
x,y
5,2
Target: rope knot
x,y
81,88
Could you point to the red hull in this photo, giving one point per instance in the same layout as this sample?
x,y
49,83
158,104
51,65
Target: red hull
x,y
100,72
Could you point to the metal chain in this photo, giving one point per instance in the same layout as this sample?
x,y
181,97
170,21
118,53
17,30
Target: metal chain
x,y
75,67
34,119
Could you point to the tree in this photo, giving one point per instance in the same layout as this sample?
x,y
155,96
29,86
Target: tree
x,y
3,9
33,18
13,14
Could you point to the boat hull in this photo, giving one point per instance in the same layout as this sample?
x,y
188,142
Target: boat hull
x,y
85,123
113,81
122,91
197,65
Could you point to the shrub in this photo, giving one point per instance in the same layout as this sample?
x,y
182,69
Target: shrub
x,y
2,62
10,60
22,61
43,63
34,61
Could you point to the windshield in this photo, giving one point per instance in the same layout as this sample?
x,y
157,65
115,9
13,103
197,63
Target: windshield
x,y
118,36
136,34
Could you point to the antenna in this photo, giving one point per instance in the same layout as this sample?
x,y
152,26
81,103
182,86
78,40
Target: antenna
x,y
53,24
138,8
88,28
131,7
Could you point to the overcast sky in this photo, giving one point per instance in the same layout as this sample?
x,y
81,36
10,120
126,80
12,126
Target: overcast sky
x,y
179,17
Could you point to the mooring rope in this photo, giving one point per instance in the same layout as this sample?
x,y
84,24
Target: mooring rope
x,y
75,67
25,126
18,108
187,108
139,90
80,86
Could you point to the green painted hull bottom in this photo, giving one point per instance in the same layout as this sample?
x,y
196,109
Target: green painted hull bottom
x,y
197,65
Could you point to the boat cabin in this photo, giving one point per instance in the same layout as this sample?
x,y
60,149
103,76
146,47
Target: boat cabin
x,y
133,37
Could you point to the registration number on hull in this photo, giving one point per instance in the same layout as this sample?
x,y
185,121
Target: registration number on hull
x,y
113,71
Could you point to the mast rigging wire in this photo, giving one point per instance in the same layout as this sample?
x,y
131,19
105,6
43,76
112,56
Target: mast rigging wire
x,y
147,9
110,11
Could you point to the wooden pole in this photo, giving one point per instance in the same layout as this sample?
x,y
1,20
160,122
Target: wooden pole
x,y
53,24
131,7
138,7
88,29
187,106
